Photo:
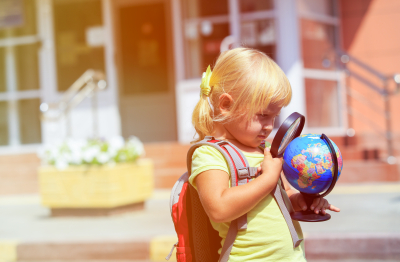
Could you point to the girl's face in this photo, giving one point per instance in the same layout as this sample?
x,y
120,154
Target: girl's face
x,y
251,132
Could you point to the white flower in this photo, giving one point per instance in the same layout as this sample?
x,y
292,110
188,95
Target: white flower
x,y
116,143
112,152
61,164
90,153
76,144
135,144
103,158
76,157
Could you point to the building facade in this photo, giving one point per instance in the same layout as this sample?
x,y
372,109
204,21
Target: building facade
x,y
153,53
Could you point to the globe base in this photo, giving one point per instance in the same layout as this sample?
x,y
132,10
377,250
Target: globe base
x,y
310,216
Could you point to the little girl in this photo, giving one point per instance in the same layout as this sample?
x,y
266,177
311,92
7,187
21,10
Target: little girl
x,y
239,102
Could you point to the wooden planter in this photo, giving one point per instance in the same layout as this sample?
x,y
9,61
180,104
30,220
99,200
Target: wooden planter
x,y
96,190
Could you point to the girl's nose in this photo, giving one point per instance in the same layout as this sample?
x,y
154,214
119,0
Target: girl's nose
x,y
268,127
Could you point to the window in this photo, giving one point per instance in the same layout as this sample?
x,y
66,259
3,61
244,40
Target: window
x,y
205,28
73,23
255,5
322,103
19,74
318,44
319,40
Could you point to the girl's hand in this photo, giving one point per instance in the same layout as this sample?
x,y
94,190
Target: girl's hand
x,y
271,166
318,205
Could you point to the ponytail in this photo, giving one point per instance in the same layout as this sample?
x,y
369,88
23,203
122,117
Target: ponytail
x,y
202,118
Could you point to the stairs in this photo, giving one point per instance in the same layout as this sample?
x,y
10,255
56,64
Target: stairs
x,y
360,164
363,163
19,172
169,162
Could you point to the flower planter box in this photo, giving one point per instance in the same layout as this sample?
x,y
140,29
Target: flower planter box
x,y
96,190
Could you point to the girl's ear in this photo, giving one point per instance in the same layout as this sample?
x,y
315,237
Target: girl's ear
x,y
225,103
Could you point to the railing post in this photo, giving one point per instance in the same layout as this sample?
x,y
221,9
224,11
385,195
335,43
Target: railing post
x,y
388,123
94,111
348,100
68,123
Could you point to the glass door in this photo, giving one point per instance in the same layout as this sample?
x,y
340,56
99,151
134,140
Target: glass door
x,y
144,62
204,32
19,74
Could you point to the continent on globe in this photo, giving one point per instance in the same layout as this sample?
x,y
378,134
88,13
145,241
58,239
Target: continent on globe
x,y
310,164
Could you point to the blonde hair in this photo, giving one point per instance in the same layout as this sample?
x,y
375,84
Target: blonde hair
x,y
253,80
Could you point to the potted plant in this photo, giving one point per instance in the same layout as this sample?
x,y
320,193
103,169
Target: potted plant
x,y
94,176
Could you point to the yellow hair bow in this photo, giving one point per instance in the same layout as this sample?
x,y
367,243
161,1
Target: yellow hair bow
x,y
205,82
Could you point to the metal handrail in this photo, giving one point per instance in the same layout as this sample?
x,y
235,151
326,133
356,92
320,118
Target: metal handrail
x,y
344,59
87,85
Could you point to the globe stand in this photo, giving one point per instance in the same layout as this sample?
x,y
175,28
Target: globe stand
x,y
309,215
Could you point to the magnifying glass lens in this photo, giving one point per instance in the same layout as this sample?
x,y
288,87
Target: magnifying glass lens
x,y
289,130
289,136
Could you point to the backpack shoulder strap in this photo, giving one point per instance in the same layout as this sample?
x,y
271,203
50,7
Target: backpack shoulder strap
x,y
280,195
237,162
285,206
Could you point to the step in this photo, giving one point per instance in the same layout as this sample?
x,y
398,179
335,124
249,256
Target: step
x,y
337,247
345,141
355,171
169,162
173,165
19,174
101,250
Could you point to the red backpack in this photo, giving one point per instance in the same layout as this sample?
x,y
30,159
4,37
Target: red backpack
x,y
198,241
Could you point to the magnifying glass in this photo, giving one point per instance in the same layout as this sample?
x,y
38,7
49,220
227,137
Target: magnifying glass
x,y
289,130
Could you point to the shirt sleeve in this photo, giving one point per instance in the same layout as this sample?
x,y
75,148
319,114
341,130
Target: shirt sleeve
x,y
206,158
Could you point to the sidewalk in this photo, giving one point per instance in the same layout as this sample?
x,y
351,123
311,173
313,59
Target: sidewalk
x,y
368,227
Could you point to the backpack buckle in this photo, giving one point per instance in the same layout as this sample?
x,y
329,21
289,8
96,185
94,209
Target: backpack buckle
x,y
243,173
222,142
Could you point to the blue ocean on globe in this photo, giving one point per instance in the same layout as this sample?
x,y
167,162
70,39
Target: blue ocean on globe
x,y
308,164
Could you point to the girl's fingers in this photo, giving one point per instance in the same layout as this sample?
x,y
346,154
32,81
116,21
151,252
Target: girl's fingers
x,y
301,203
325,205
315,203
267,153
333,208
321,204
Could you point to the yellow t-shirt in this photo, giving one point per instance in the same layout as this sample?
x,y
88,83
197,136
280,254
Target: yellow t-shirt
x,y
267,237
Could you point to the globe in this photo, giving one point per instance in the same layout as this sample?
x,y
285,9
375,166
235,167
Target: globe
x,y
308,164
